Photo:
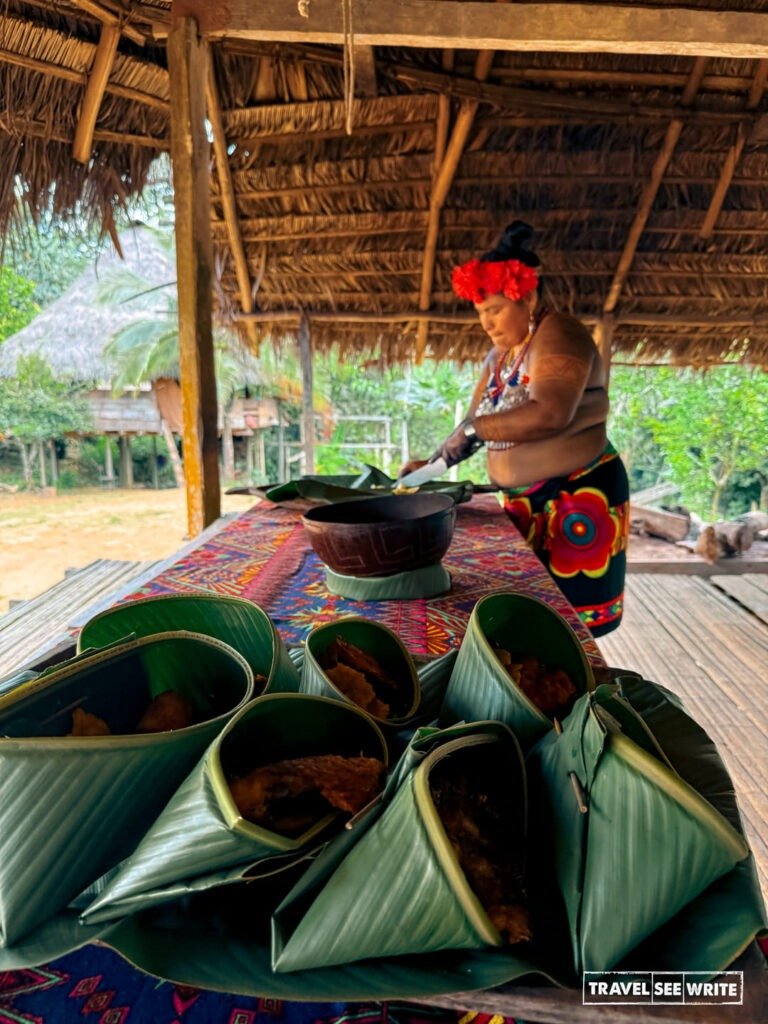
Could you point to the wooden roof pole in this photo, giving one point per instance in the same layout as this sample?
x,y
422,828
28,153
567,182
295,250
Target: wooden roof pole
x,y
652,187
110,19
442,181
103,61
228,201
553,27
190,155
734,153
365,71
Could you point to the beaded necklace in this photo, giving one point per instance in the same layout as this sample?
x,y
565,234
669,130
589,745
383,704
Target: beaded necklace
x,y
500,382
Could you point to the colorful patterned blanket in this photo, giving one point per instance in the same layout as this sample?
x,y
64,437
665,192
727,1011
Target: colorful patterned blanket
x,y
264,555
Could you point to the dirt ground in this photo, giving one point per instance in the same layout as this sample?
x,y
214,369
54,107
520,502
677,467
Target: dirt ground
x,y
41,536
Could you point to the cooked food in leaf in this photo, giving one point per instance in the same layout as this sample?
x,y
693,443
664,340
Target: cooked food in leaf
x,y
288,797
362,678
169,710
86,724
550,689
354,685
471,794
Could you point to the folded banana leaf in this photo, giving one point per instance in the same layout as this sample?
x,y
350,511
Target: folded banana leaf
x,y
73,806
422,583
481,688
371,481
401,699
380,903
201,840
633,843
237,622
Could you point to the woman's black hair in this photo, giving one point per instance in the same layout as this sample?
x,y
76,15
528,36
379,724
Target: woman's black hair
x,y
513,245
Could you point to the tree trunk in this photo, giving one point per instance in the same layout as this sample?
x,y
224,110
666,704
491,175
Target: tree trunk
x,y
54,464
41,455
173,453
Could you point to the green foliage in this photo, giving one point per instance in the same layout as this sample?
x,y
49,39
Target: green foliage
x,y
17,304
704,431
52,254
34,406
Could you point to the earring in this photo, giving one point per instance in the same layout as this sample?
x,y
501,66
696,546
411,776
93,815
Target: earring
x,y
531,322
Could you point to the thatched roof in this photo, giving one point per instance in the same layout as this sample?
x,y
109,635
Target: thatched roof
x,y
72,332
645,176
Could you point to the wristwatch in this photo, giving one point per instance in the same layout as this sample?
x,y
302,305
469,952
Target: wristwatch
x,y
469,431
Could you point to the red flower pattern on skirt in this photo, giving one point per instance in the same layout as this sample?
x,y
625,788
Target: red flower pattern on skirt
x,y
583,532
532,525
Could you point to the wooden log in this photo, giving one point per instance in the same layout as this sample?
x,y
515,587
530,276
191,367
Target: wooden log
x,y
188,65
576,28
733,538
657,522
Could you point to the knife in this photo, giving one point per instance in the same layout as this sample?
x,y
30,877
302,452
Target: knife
x,y
424,474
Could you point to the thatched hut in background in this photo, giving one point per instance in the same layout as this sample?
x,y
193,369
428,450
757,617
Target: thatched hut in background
x,y
356,158
73,336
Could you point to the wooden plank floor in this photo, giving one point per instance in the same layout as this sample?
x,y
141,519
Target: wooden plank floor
x,y
39,625
689,635
750,590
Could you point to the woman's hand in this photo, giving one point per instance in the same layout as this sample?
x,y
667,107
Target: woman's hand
x,y
462,443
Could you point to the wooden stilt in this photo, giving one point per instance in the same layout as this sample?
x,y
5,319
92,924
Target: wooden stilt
x,y
155,475
109,464
188,61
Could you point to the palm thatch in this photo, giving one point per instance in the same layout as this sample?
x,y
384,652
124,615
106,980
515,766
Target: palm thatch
x,y
335,225
72,332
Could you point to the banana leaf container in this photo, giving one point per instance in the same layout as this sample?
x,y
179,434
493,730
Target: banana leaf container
x,y
376,640
201,840
75,806
400,889
632,843
481,688
237,622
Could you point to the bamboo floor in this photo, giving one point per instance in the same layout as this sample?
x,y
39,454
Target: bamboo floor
x,y
707,640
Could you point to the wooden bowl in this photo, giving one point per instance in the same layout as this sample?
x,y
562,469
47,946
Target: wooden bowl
x,y
382,536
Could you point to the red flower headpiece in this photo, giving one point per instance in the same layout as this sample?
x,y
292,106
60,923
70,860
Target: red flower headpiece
x,y
475,280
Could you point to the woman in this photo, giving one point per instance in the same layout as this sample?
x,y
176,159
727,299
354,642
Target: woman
x,y
540,409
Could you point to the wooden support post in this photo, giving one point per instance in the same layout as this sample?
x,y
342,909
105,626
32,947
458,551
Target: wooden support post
x,y
307,410
249,443
126,461
188,67
603,335
94,92
155,474
109,465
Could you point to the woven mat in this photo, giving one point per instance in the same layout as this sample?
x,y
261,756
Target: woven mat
x,y
264,555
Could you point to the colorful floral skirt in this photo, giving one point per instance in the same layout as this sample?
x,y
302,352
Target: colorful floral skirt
x,y
578,526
